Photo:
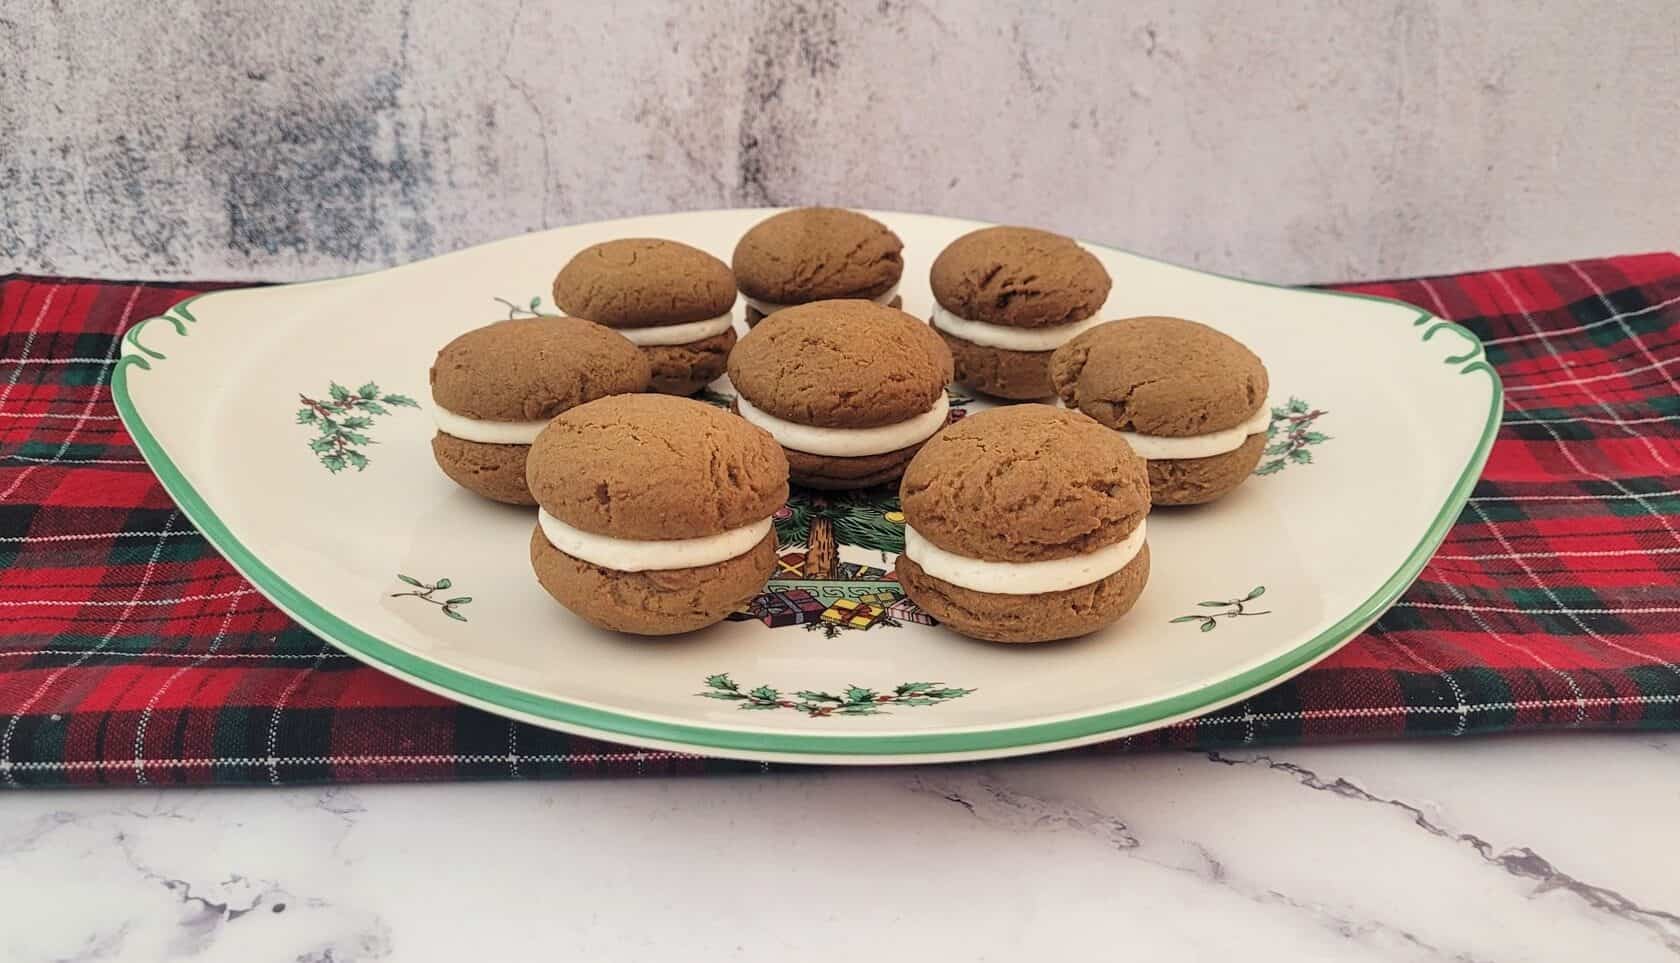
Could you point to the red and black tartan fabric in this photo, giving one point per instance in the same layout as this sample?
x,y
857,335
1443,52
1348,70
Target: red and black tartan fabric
x,y
131,653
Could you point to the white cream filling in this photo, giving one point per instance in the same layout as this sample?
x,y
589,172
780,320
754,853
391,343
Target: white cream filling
x,y
848,442
1007,338
1022,578
770,307
685,333
486,432
1162,448
638,555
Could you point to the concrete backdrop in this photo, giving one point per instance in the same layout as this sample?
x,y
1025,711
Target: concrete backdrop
x,y
1298,141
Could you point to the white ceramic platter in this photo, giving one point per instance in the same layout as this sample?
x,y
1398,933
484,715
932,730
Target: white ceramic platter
x,y
1383,416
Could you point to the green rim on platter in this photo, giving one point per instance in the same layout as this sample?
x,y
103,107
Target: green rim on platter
x,y
376,651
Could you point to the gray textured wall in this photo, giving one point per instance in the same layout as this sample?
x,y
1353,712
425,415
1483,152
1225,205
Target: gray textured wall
x,y
1311,140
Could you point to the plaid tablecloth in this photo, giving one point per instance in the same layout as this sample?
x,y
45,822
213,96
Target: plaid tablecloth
x,y
130,652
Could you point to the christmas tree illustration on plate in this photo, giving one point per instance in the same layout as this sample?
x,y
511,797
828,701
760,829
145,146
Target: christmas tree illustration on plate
x,y
815,585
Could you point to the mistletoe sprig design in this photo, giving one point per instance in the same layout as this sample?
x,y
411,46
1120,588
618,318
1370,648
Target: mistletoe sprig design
x,y
1234,609
1289,435
340,419
425,590
853,700
528,310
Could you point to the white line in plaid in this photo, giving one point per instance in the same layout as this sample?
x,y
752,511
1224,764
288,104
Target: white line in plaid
x,y
1612,319
1467,607
1593,421
1299,715
1452,683
206,762
93,536
1603,553
48,416
1546,342
81,422
68,461
1632,335
1580,709
28,343
111,633
280,706
209,597
115,653
1568,451
1594,379
146,714
58,360
1569,498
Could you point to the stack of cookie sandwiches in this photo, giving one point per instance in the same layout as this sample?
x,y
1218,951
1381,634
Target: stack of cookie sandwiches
x,y
849,389
673,301
1025,524
654,513
815,254
1005,298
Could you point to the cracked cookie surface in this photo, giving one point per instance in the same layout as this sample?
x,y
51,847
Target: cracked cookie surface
x,y
817,253
1019,277
531,369
655,467
1025,483
841,364
1160,376
641,282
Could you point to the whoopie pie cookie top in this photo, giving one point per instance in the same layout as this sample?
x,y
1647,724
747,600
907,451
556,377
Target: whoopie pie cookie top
x,y
641,282
1160,376
531,369
1025,483
841,364
656,467
1018,277
813,253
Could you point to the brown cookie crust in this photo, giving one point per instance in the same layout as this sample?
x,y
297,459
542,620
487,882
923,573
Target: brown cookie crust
x,y
1016,375
1019,277
841,364
657,602
683,369
496,472
531,369
753,316
817,253
1160,376
656,467
1026,618
641,282
1025,483
828,473
1194,481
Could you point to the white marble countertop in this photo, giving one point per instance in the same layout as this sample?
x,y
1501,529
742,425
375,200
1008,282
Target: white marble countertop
x,y
1519,848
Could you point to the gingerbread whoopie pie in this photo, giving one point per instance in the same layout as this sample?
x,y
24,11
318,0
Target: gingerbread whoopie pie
x,y
495,387
850,389
816,254
1025,524
1005,298
673,301
654,513
1189,399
